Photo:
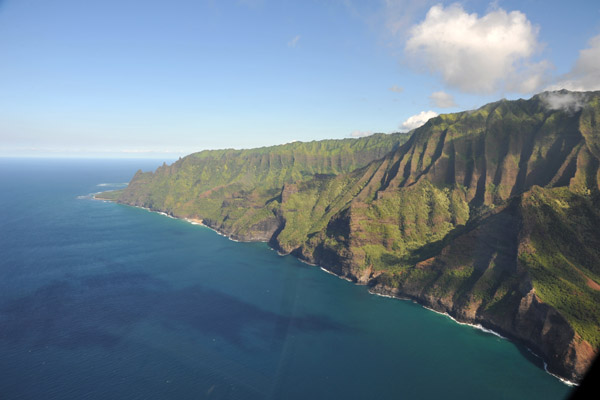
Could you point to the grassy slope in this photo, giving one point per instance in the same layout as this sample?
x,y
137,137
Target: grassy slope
x,y
448,212
236,189
473,205
564,272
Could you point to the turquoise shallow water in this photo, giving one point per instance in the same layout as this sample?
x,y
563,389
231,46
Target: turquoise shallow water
x,y
99,300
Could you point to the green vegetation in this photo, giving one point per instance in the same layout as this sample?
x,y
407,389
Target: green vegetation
x,y
110,195
562,255
233,188
471,209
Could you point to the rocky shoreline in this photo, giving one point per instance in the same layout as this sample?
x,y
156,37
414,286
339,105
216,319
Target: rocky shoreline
x,y
536,326
565,367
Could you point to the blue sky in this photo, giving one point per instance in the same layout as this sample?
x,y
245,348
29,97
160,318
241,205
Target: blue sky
x,y
128,78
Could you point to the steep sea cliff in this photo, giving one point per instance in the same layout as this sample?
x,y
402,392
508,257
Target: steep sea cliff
x,y
491,215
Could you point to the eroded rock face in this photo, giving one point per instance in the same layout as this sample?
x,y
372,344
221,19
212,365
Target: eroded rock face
x,y
261,232
490,215
550,334
491,285
534,324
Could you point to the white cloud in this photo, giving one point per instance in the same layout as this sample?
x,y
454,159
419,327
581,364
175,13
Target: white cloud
x,y
294,41
585,74
442,100
397,89
359,134
417,120
478,54
568,102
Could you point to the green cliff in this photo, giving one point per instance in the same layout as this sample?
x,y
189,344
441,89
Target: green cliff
x,y
490,215
237,190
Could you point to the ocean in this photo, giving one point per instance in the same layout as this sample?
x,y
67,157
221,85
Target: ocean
x,y
104,301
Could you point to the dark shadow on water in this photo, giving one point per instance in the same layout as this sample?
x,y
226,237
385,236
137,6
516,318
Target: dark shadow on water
x,y
92,311
79,312
239,322
529,356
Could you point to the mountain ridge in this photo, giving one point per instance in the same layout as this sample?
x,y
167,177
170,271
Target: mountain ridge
x,y
490,215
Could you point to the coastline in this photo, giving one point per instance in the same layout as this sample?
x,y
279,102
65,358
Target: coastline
x,y
200,222
193,221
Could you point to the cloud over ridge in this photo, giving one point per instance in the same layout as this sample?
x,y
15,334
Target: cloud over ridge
x,y
417,120
570,102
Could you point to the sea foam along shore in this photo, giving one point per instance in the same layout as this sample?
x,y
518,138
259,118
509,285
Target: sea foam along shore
x,y
481,328
476,326
563,380
195,221
328,271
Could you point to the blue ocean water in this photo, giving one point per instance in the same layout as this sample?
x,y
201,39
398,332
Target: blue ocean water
x,y
100,300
